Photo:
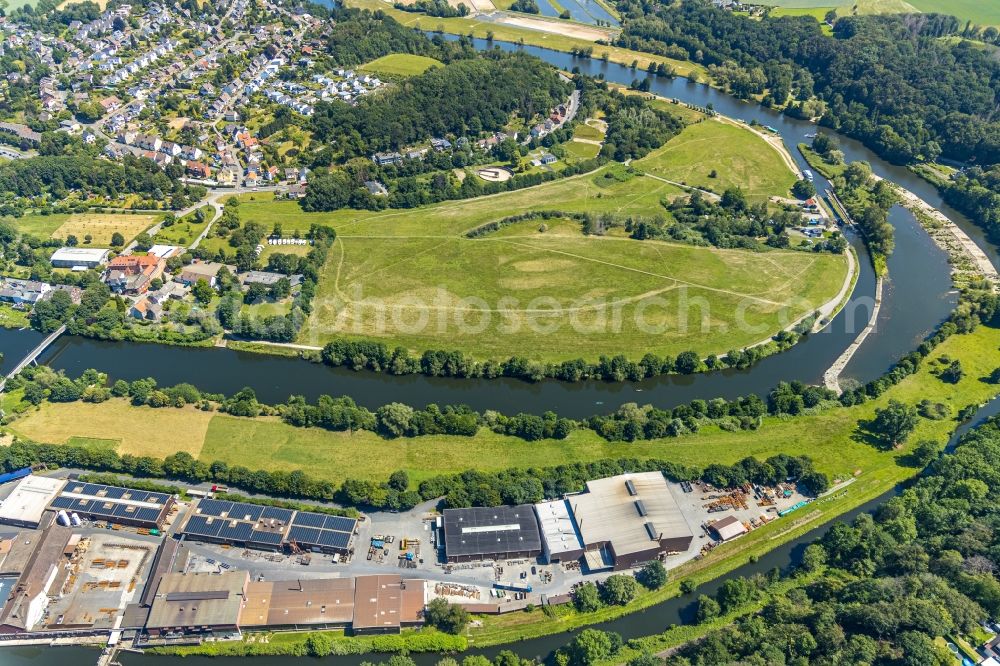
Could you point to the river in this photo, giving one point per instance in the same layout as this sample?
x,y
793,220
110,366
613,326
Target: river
x,y
918,275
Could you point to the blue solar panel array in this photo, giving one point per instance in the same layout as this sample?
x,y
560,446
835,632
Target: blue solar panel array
x,y
314,530
112,503
250,524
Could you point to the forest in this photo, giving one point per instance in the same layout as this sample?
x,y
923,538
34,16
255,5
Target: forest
x,y
464,98
888,588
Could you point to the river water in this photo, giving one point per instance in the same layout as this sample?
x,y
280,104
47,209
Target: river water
x,y
917,299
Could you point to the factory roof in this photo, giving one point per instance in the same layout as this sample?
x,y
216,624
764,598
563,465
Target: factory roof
x,y
632,512
198,600
26,503
299,602
36,579
558,529
491,530
386,602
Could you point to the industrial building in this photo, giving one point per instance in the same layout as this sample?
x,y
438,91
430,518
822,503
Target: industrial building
x,y
124,506
491,533
187,603
561,541
321,603
237,523
629,519
29,598
728,528
26,504
268,527
79,258
384,604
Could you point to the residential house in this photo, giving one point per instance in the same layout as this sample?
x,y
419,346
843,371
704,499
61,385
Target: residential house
x,y
146,310
22,292
201,270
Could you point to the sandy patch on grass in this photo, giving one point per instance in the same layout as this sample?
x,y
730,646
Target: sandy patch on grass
x,y
561,28
138,430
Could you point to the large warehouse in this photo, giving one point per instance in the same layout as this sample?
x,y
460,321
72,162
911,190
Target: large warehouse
x,y
491,533
125,506
268,527
198,603
26,504
629,519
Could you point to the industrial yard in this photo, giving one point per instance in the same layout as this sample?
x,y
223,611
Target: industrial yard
x,y
84,559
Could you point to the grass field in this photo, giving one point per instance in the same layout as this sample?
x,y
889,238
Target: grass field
x,y
413,278
103,225
400,65
39,226
185,230
740,158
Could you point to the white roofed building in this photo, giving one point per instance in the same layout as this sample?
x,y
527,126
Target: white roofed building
x,y
561,540
26,504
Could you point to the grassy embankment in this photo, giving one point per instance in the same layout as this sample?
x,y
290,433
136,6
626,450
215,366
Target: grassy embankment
x,y
390,269
739,157
831,437
980,12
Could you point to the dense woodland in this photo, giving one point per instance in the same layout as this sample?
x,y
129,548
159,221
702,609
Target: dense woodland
x,y
464,98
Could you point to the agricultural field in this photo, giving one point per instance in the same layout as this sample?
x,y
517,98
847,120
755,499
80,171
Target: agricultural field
x,y
980,12
102,226
739,157
400,65
829,437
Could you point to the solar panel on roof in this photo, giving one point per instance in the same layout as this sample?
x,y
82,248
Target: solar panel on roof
x,y
211,507
266,538
148,515
307,519
306,535
62,502
243,511
334,539
276,513
111,492
238,532
339,523
199,525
